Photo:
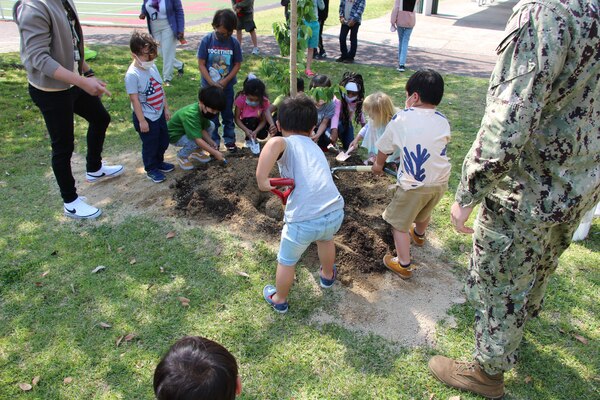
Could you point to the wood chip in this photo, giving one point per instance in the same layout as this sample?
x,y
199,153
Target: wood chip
x,y
104,325
242,273
45,273
171,235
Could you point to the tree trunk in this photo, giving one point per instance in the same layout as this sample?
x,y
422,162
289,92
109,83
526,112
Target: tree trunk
x,y
293,47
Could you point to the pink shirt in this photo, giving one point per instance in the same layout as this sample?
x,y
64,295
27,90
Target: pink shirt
x,y
247,111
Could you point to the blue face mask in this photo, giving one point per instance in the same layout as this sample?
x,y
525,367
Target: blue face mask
x,y
252,103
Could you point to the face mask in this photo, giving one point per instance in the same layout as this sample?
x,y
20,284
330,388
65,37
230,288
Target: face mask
x,y
252,103
145,64
221,36
350,99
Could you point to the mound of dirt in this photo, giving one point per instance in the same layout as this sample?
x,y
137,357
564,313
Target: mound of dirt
x,y
230,194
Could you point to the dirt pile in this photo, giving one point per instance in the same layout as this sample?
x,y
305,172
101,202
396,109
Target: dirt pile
x,y
230,194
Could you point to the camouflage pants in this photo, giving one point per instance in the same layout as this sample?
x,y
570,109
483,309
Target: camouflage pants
x,y
512,261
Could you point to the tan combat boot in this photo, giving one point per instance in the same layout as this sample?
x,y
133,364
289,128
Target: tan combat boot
x,y
467,376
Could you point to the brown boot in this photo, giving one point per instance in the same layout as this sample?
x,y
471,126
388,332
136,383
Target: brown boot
x,y
467,376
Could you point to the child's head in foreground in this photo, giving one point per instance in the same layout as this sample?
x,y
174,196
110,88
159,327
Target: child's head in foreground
x,y
428,85
143,46
196,368
297,115
380,108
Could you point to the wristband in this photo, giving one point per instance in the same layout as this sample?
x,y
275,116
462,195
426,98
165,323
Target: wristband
x,y
88,73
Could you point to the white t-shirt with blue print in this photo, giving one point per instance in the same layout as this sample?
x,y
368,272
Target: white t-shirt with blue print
x,y
421,135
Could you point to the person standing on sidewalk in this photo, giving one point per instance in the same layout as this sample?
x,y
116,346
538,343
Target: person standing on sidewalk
x,y
350,16
62,84
244,10
166,23
534,169
403,20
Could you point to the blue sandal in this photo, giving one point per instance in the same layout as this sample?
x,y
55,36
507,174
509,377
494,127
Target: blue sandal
x,y
268,292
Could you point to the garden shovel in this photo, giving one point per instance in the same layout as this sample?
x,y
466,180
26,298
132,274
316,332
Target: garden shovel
x,y
344,155
282,182
255,147
360,168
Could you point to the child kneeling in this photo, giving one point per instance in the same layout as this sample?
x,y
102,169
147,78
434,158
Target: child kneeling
x,y
421,134
190,128
315,208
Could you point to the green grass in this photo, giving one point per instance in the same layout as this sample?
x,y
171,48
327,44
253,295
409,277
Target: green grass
x,y
53,331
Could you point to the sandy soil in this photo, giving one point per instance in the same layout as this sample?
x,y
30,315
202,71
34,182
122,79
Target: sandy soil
x,y
371,299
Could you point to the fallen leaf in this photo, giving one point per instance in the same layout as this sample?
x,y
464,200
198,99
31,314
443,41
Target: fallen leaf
x,y
68,380
98,269
133,261
38,284
162,270
184,301
581,339
35,381
104,325
45,273
26,387
527,379
242,273
171,235
120,249
129,337
119,340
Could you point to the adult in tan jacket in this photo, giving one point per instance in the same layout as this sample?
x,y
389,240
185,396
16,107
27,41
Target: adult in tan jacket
x,y
403,20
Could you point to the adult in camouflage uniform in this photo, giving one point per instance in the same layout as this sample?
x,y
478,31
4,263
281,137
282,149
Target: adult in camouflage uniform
x,y
534,168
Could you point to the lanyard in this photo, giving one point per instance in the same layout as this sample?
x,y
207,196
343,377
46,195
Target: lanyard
x,y
72,17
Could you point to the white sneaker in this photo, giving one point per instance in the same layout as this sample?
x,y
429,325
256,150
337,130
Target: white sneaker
x,y
105,172
79,209
255,51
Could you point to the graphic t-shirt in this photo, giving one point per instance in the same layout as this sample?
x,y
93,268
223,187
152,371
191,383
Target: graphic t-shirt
x,y
148,86
187,121
247,111
220,57
422,137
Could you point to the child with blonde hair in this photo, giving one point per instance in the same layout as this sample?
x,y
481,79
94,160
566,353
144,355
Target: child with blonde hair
x,y
380,109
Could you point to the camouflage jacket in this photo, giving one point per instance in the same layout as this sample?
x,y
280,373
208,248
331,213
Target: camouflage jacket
x,y
538,149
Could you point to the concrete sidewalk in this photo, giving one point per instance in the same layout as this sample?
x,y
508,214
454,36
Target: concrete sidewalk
x,y
460,40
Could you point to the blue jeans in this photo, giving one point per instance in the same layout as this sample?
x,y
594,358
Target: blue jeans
x,y
346,134
297,236
403,38
154,142
189,145
227,118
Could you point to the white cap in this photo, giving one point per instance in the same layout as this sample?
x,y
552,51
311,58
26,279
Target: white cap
x,y
251,76
351,87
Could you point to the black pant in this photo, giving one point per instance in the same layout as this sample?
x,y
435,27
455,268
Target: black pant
x,y
321,48
252,123
58,109
353,41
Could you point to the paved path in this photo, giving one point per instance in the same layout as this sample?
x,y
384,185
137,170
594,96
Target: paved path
x,y
460,40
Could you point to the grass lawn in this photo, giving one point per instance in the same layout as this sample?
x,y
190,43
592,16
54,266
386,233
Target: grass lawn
x,y
52,306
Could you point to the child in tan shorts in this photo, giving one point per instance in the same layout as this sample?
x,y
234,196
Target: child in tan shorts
x,y
421,134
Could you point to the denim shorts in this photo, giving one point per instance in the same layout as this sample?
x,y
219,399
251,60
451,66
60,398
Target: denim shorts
x,y
297,236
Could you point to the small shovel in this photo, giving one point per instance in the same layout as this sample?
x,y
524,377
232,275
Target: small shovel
x,y
361,168
279,182
255,147
344,155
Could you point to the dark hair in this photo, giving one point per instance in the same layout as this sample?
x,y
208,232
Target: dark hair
x,y
196,368
254,87
319,81
225,18
300,84
358,79
142,40
429,84
297,114
212,97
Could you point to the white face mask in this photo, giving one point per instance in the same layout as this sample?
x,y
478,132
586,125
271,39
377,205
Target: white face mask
x,y
145,64
350,99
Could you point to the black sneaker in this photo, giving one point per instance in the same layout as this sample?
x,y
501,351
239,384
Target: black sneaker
x,y
340,59
401,68
231,147
348,60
